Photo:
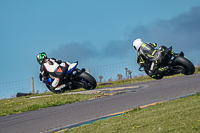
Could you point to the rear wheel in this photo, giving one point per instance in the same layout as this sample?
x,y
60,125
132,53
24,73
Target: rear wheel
x,y
185,63
86,80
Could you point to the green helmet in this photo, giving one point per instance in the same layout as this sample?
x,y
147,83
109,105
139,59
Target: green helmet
x,y
41,57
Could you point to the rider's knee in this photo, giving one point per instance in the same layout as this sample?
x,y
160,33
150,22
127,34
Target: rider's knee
x,y
55,82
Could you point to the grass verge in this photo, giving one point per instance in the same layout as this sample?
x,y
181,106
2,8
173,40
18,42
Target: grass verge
x,y
25,104
181,115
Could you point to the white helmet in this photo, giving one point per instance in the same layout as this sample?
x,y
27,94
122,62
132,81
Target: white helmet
x,y
137,43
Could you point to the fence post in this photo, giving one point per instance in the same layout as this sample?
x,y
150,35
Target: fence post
x,y
32,85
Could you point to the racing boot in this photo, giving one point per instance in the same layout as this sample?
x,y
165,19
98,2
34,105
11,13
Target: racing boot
x,y
60,87
159,71
69,84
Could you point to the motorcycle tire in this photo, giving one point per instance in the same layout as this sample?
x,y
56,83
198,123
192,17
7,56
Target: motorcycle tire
x,y
88,80
187,64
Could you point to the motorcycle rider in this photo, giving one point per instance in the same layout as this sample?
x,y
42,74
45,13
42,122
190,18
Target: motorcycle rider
x,y
148,55
53,68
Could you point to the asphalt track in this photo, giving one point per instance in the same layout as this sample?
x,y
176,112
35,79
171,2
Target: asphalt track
x,y
131,96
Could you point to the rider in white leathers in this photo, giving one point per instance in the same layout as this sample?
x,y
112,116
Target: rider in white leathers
x,y
53,68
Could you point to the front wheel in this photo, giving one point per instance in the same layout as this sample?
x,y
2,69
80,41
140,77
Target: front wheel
x,y
187,64
87,80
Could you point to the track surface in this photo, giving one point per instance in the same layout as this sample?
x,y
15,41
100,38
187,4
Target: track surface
x,y
55,117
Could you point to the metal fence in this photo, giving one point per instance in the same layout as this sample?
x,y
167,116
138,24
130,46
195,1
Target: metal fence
x,y
10,89
111,72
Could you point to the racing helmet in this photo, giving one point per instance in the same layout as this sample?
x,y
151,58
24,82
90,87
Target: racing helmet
x,y
41,57
137,43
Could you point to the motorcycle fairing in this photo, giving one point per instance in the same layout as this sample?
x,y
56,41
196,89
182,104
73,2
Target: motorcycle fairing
x,y
72,67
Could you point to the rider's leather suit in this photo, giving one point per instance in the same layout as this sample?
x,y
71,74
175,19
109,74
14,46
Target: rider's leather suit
x,y
149,56
56,69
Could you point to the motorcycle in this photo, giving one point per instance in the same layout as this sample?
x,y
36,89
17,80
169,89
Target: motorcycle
x,y
73,79
177,64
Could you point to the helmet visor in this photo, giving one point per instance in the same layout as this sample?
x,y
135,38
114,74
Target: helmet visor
x,y
40,57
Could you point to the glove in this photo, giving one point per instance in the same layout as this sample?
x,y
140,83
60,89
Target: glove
x,y
154,44
44,78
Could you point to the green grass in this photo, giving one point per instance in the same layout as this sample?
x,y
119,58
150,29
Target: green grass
x,y
24,104
180,116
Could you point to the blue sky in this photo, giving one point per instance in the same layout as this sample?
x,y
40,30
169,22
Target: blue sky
x,y
94,32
